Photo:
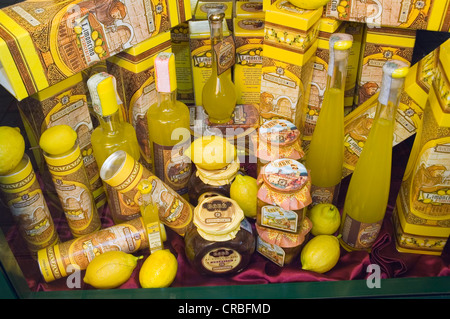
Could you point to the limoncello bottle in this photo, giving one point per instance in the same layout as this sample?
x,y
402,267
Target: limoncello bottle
x,y
169,128
219,93
368,192
325,155
112,134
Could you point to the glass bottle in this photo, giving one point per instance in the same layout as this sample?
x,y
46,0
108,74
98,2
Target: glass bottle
x,y
368,191
219,94
112,134
168,126
325,156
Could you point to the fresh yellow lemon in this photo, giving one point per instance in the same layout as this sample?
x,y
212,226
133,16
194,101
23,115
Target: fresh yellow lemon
x,y
158,270
309,4
110,269
320,254
211,152
12,148
243,190
58,139
325,219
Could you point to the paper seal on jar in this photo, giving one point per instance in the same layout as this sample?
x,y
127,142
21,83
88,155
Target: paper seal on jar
x,y
218,218
285,182
221,176
283,239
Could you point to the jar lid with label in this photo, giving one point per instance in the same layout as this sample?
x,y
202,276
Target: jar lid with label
x,y
285,182
218,218
277,138
221,176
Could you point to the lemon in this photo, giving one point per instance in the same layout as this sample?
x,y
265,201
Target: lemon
x,y
309,4
243,190
158,270
94,35
325,219
58,139
110,269
12,148
211,152
77,29
320,254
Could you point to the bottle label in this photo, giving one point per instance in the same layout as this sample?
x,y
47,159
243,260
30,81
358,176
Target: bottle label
x,y
360,235
172,166
225,54
324,194
154,236
220,260
122,208
272,252
279,218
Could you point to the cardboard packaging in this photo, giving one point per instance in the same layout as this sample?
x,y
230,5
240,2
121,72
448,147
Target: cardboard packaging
x,y
44,42
249,9
180,48
427,14
289,48
134,72
63,103
201,54
380,45
227,6
422,212
249,40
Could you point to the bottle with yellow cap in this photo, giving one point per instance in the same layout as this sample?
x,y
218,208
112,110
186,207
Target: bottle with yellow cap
x,y
168,126
368,192
65,164
325,155
112,135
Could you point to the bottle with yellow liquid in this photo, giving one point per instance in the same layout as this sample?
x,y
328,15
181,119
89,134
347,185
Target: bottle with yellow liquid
x,y
111,135
325,156
368,192
168,126
150,215
219,93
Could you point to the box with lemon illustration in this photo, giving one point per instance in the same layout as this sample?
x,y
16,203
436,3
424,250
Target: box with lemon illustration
x,y
63,103
427,14
290,35
45,42
134,72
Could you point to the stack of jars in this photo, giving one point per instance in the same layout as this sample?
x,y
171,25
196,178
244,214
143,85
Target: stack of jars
x,y
283,192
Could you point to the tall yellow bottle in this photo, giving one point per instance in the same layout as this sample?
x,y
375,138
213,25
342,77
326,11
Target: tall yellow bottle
x,y
368,192
219,93
325,156
111,135
168,126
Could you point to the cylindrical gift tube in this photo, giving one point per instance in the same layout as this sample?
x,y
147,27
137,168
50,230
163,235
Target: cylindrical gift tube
x,y
60,260
124,173
71,181
23,195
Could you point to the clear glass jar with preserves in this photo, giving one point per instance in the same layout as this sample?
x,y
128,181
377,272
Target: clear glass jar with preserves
x,y
276,139
221,240
283,194
281,247
215,181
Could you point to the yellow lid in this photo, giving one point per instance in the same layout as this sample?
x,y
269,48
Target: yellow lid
x,y
102,87
58,139
341,41
165,74
400,72
218,218
221,176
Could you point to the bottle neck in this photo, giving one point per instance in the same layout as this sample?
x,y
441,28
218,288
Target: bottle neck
x,y
167,99
216,37
110,123
337,73
389,98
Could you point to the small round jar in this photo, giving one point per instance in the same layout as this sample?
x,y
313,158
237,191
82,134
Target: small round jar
x,y
276,139
281,247
221,242
215,181
283,195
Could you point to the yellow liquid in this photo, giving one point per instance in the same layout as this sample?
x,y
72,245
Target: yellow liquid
x,y
219,97
151,221
325,155
122,136
368,192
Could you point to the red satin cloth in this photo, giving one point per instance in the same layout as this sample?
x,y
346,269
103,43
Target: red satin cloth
x,y
260,270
